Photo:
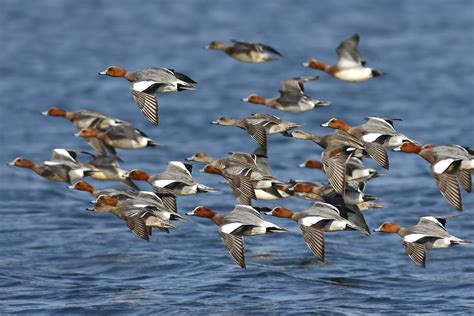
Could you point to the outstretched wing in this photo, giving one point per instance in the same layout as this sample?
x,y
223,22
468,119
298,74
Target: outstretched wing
x,y
235,247
148,105
314,238
416,252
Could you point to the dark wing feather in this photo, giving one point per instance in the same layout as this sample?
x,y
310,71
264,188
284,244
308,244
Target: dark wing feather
x,y
138,226
270,49
449,187
148,104
464,177
169,201
314,238
378,154
334,163
235,247
258,133
416,252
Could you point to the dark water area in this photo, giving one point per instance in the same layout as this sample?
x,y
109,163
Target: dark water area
x,y
58,258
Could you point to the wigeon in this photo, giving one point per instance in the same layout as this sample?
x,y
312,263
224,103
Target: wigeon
x,y
139,220
319,218
147,82
338,148
256,130
429,232
376,129
272,123
244,51
241,221
84,118
355,169
292,98
239,180
124,137
349,67
53,171
177,179
445,166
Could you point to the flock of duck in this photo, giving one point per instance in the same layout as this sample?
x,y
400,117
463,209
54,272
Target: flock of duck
x,y
338,204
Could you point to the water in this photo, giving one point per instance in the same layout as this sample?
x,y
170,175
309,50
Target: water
x,y
58,258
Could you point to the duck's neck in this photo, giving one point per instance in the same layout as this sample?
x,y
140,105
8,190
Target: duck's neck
x,y
218,219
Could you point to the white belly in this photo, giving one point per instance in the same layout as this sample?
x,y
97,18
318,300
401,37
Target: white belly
x,y
354,74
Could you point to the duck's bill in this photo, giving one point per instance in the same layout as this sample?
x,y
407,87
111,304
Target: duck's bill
x,y
190,213
325,124
245,99
11,163
302,165
396,148
44,113
306,64
206,47
103,73
91,209
214,122
77,134
377,230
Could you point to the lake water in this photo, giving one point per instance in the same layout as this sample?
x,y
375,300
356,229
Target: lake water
x,y
58,258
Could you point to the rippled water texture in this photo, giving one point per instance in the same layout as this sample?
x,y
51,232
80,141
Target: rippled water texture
x,y
58,258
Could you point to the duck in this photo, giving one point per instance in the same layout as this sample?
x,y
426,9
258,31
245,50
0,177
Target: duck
x,y
355,169
338,148
84,118
292,98
123,136
256,130
53,171
377,129
139,220
239,180
138,199
242,221
314,222
245,51
149,81
177,179
107,168
272,123
445,166
121,194
350,67
429,232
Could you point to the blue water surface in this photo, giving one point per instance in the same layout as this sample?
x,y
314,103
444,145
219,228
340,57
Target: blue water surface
x,y
58,258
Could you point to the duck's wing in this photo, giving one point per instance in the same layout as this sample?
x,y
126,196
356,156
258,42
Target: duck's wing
x,y
181,171
314,238
348,54
289,98
449,187
270,49
258,133
235,246
416,252
388,122
148,105
378,153
137,225
436,222
245,46
242,187
296,84
464,177
334,164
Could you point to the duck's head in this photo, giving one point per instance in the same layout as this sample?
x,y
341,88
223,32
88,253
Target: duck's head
x,y
107,200
280,212
138,175
223,120
336,124
55,111
82,186
312,164
256,99
88,133
114,71
302,187
216,45
298,134
388,227
202,211
211,169
409,147
22,162
200,157
315,64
